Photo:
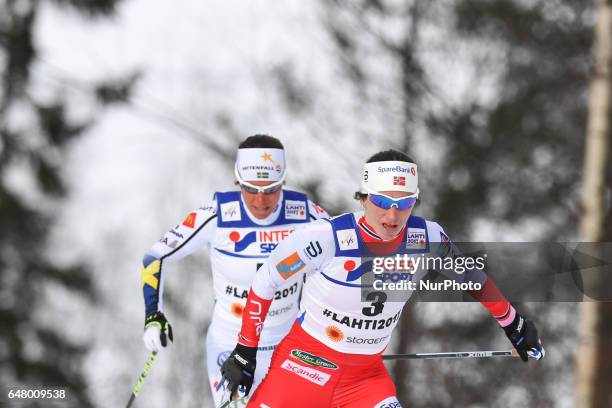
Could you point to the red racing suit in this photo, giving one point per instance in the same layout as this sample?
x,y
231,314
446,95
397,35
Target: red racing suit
x,y
332,355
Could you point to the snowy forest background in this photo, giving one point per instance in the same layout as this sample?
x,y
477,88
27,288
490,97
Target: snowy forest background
x,y
117,117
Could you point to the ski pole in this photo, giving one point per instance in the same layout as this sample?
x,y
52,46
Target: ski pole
x,y
225,401
140,381
226,397
460,354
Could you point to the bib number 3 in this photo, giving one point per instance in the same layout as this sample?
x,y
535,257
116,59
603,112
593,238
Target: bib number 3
x,y
378,300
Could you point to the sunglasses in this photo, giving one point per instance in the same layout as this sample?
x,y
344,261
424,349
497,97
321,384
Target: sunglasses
x,y
253,189
385,202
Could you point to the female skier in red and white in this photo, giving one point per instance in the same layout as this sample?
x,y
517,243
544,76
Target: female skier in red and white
x,y
332,355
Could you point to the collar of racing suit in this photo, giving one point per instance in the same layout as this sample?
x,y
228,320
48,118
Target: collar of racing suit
x,y
369,235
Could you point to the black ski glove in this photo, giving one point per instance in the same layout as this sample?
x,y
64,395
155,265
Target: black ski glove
x,y
239,368
524,337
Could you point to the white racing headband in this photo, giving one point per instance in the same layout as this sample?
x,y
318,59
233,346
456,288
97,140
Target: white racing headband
x,y
390,176
260,164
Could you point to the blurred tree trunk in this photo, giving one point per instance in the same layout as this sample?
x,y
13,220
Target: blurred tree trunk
x,y
592,382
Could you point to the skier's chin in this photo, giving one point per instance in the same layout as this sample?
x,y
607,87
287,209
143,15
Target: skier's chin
x,y
389,231
261,213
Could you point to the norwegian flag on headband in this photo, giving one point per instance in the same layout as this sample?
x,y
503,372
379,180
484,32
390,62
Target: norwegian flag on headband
x,y
399,180
390,175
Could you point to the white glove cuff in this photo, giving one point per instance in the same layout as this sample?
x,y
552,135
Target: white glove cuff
x,y
151,338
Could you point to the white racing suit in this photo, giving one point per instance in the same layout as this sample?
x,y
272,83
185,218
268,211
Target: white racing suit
x,y
239,243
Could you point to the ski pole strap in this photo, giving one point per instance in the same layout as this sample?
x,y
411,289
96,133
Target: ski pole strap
x,y
460,354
